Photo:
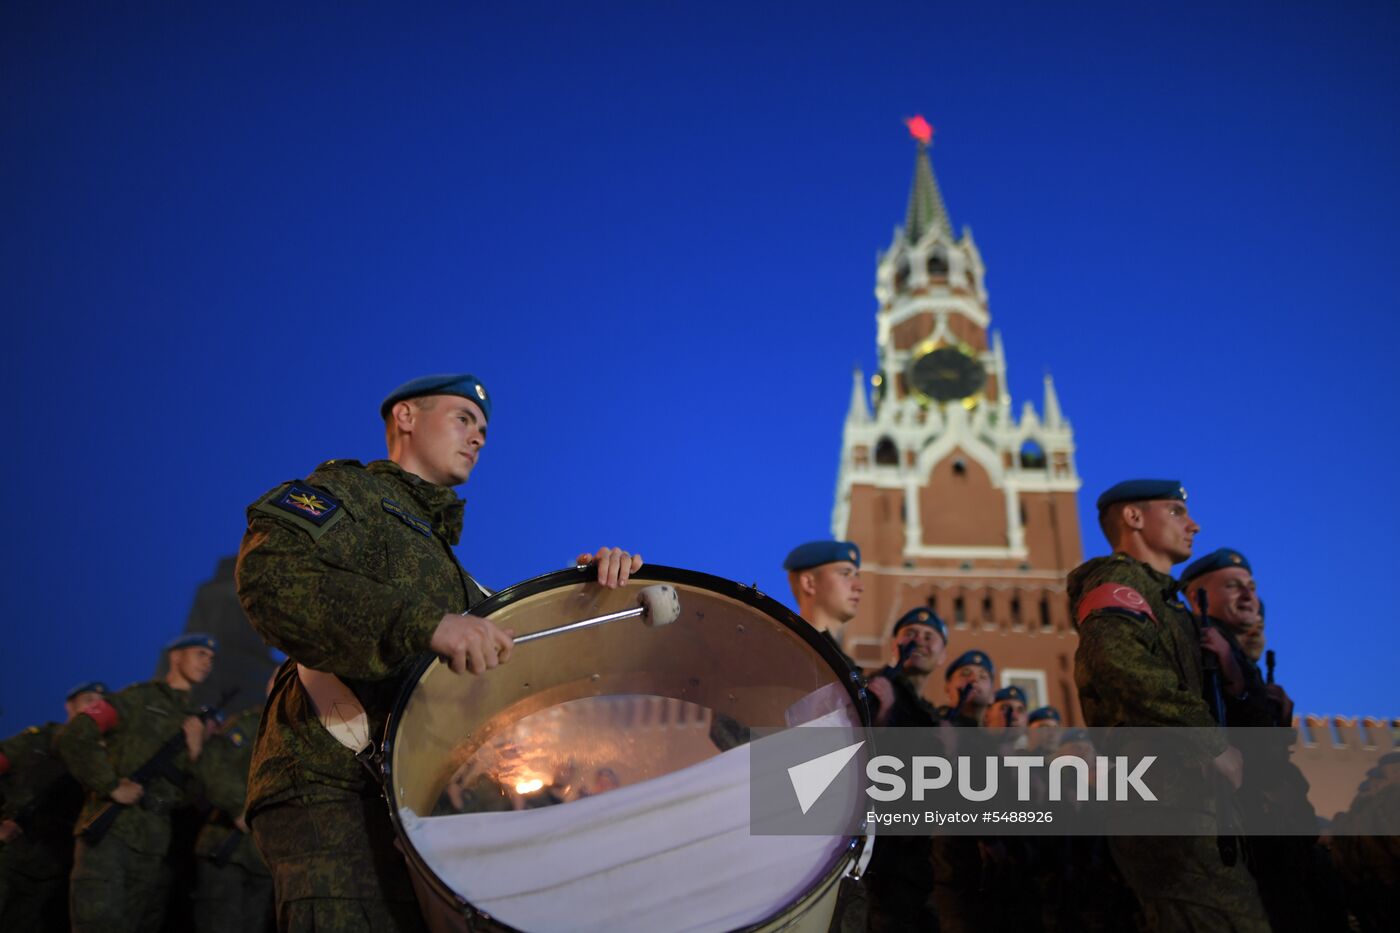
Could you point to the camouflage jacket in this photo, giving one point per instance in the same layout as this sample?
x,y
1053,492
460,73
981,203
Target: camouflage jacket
x,y
147,716
1139,656
349,572
42,797
909,707
223,771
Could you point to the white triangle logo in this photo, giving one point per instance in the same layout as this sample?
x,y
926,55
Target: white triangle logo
x,y
811,778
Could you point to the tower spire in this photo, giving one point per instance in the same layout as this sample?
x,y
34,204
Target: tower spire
x,y
926,209
859,410
1053,416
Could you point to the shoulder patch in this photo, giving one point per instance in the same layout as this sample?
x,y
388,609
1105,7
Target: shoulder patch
x,y
104,714
1115,596
312,509
236,737
420,525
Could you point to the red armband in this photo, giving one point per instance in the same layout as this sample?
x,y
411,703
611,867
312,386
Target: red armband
x,y
1113,596
4,765
104,714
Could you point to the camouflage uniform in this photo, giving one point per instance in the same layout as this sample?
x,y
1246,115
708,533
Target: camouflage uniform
x,y
899,879
1370,864
349,572
42,797
1139,664
236,895
121,882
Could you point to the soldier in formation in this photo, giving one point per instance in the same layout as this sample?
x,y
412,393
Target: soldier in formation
x,y
233,892
899,879
351,573
39,801
120,875
1139,663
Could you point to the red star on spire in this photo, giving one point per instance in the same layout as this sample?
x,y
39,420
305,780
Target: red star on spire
x,y
920,129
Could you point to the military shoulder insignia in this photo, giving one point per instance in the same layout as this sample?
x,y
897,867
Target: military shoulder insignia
x,y
236,737
420,525
313,509
1113,597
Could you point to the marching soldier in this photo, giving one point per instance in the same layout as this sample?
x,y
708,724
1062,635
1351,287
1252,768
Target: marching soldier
x,y
41,801
967,684
234,888
917,646
1289,869
351,572
1139,664
900,877
1008,709
825,581
120,882
1043,727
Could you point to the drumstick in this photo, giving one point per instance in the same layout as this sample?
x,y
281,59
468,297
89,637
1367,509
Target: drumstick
x,y
657,605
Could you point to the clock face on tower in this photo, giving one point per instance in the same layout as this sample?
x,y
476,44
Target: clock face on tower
x,y
947,374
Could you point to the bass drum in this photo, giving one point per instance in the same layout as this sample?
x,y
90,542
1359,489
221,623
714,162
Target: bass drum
x,y
600,779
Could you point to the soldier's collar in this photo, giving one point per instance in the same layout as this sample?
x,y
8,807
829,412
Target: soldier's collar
x,y
444,507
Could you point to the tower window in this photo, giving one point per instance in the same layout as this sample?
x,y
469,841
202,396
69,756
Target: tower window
x,y
959,611
986,607
959,467
1032,457
901,274
886,453
937,265
1044,612
1016,610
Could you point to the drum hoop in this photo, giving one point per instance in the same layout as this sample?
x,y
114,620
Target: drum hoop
x,y
658,573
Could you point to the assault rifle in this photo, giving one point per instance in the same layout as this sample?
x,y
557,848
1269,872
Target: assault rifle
x,y
225,850
1224,800
956,711
161,764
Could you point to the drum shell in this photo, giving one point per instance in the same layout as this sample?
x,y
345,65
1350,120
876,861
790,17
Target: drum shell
x,y
733,650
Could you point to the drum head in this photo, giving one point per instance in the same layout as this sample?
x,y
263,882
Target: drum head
x,y
599,779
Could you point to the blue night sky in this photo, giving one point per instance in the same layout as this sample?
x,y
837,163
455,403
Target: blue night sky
x,y
651,230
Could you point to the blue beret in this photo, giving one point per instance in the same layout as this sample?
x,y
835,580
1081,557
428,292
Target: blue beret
x,y
194,640
1142,490
816,553
970,658
1043,712
1216,560
1012,692
463,384
87,686
1074,735
922,616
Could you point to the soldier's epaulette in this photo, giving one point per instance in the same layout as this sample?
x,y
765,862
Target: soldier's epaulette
x,y
313,510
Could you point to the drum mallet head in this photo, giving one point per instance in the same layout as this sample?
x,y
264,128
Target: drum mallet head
x,y
657,605
660,604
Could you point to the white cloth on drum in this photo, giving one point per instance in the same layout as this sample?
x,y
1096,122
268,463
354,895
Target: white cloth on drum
x,y
672,853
